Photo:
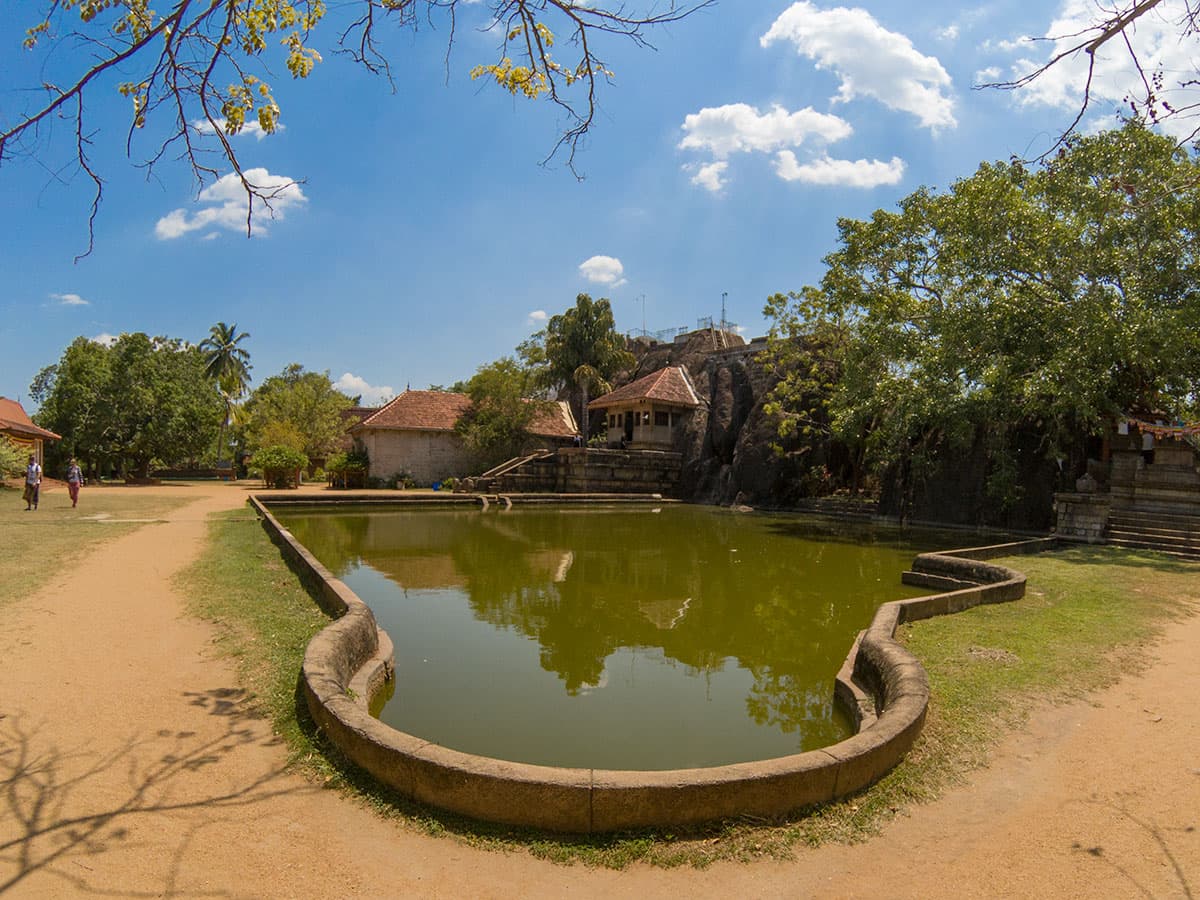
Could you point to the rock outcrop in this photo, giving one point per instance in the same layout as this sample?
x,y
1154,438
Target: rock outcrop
x,y
727,444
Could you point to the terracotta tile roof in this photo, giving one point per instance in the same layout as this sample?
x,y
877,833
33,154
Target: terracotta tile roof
x,y
420,411
441,410
670,385
555,420
14,418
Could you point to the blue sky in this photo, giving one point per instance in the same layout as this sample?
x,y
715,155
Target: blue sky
x,y
426,239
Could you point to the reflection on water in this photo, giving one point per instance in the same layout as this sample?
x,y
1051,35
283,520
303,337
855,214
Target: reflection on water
x,y
614,638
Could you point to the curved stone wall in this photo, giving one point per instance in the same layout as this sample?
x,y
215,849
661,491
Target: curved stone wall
x,y
882,684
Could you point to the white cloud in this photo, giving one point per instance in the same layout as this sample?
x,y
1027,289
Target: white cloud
x,y
69,300
986,75
537,317
738,127
371,395
227,205
859,173
949,33
1154,38
603,270
869,60
104,338
250,129
711,176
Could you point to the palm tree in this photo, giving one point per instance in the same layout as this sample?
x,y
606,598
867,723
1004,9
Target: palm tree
x,y
582,347
228,366
587,377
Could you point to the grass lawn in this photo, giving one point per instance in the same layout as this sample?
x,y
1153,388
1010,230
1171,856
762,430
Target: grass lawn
x,y
36,544
1087,613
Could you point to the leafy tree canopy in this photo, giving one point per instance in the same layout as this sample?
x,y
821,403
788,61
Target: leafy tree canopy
x,y
579,349
496,426
138,402
296,405
1055,297
12,460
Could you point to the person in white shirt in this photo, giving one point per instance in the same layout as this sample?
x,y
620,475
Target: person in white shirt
x,y
33,482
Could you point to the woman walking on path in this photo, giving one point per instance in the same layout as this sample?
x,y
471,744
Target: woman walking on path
x,y
74,481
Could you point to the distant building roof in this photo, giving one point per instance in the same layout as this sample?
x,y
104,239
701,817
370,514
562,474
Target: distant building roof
x,y
441,410
358,412
670,385
15,420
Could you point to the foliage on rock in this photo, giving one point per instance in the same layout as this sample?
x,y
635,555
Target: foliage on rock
x,y
1050,299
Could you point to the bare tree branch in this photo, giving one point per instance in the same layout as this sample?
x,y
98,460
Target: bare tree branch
x,y
206,60
1118,22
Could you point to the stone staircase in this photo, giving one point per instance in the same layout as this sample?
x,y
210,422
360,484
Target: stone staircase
x,y
1156,506
490,480
1177,533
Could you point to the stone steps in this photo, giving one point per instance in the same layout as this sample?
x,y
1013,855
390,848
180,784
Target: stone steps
x,y
1172,532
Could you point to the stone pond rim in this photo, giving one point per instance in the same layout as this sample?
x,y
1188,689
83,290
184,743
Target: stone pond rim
x,y
883,686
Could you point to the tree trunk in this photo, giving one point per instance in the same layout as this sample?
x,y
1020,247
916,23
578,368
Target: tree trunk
x,y
583,419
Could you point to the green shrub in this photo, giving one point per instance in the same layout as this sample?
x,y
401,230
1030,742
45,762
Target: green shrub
x,y
348,469
279,465
12,460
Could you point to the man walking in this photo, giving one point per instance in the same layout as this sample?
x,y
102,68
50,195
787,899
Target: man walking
x,y
33,482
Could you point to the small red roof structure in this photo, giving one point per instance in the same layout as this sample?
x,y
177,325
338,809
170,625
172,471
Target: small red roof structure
x,y
15,421
670,385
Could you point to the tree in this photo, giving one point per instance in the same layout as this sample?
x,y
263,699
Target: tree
x,y
296,402
12,460
579,348
139,402
74,403
496,426
196,72
1154,98
164,408
1048,300
228,366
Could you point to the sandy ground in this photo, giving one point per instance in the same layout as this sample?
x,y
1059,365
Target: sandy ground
x,y
129,767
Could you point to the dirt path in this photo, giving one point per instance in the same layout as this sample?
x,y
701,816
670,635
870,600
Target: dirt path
x,y
130,767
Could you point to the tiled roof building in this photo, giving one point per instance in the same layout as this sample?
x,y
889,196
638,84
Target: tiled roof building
x,y
646,414
414,433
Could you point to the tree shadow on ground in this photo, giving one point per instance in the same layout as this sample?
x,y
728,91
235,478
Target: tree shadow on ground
x,y
1104,555
62,807
1153,834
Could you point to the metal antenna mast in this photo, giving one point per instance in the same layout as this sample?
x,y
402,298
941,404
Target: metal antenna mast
x,y
724,294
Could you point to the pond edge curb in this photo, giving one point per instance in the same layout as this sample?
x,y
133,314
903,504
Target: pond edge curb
x,y
882,686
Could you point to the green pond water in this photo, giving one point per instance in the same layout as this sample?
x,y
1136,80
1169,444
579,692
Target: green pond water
x,y
615,638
